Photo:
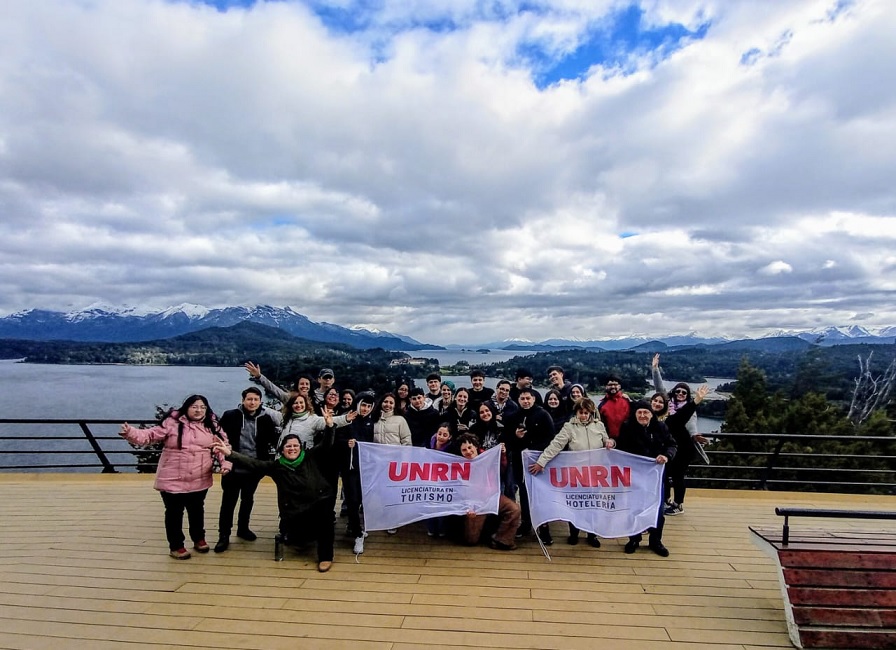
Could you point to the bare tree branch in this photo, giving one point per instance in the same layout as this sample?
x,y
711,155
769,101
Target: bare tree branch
x,y
870,393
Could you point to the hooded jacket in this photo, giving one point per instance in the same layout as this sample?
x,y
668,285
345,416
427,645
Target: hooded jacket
x,y
187,468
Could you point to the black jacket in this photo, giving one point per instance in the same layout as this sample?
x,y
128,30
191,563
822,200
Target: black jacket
x,y
298,490
265,432
422,423
539,430
360,429
650,441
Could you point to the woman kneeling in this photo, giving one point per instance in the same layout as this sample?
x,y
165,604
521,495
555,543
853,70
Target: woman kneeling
x,y
302,493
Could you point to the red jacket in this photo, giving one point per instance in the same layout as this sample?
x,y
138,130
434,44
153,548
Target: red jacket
x,y
614,410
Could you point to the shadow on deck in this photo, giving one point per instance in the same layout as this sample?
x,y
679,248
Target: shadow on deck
x,y
84,565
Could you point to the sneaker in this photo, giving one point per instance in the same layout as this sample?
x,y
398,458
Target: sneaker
x,y
359,545
222,545
180,554
674,509
631,546
201,546
659,549
391,531
246,534
594,541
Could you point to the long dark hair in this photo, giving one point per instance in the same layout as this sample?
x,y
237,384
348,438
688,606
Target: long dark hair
x,y
378,408
210,421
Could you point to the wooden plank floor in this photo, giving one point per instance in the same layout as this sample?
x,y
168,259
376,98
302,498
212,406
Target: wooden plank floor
x,y
84,564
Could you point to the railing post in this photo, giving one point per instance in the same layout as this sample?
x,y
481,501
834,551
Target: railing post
x,y
770,465
108,468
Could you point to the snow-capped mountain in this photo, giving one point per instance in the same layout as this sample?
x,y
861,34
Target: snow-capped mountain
x,y
377,333
625,343
827,336
102,323
822,336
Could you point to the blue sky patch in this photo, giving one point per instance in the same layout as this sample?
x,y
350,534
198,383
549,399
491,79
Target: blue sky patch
x,y
613,43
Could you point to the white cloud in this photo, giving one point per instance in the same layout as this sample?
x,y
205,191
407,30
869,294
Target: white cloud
x,y
417,180
776,268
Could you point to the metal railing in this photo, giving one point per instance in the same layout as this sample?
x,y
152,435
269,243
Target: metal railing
x,y
826,513
25,441
764,461
801,462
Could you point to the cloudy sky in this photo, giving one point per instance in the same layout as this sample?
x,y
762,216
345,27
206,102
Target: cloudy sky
x,y
455,170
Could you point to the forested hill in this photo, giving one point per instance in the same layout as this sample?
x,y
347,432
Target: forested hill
x,y
795,368
283,357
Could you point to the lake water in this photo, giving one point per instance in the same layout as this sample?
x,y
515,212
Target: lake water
x,y
474,358
98,392
29,390
132,393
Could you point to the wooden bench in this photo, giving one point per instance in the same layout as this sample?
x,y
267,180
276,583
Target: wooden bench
x,y
839,587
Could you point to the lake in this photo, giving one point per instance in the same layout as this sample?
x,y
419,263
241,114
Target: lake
x,y
123,392
30,390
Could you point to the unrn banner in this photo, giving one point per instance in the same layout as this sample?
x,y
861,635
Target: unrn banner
x,y
401,485
603,491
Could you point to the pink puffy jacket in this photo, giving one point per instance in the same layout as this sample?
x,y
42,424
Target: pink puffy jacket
x,y
188,469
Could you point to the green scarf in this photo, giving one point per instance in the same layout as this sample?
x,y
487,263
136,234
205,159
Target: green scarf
x,y
292,464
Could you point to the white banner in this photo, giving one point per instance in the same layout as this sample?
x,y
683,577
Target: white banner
x,y
603,491
401,485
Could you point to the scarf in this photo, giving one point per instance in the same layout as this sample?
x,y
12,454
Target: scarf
x,y
292,464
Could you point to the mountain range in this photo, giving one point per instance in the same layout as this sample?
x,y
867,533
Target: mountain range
x,y
118,325
826,336
112,325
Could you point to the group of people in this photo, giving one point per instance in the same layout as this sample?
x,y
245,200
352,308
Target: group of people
x,y
311,443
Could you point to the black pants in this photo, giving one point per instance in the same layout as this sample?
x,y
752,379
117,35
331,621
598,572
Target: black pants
x,y
676,472
654,535
517,480
175,504
237,486
351,485
317,523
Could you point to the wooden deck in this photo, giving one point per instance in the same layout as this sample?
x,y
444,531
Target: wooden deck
x,y
84,565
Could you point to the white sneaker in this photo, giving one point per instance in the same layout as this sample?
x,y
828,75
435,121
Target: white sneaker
x,y
391,531
359,545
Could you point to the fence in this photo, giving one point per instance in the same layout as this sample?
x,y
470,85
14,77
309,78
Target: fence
x,y
816,463
61,444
